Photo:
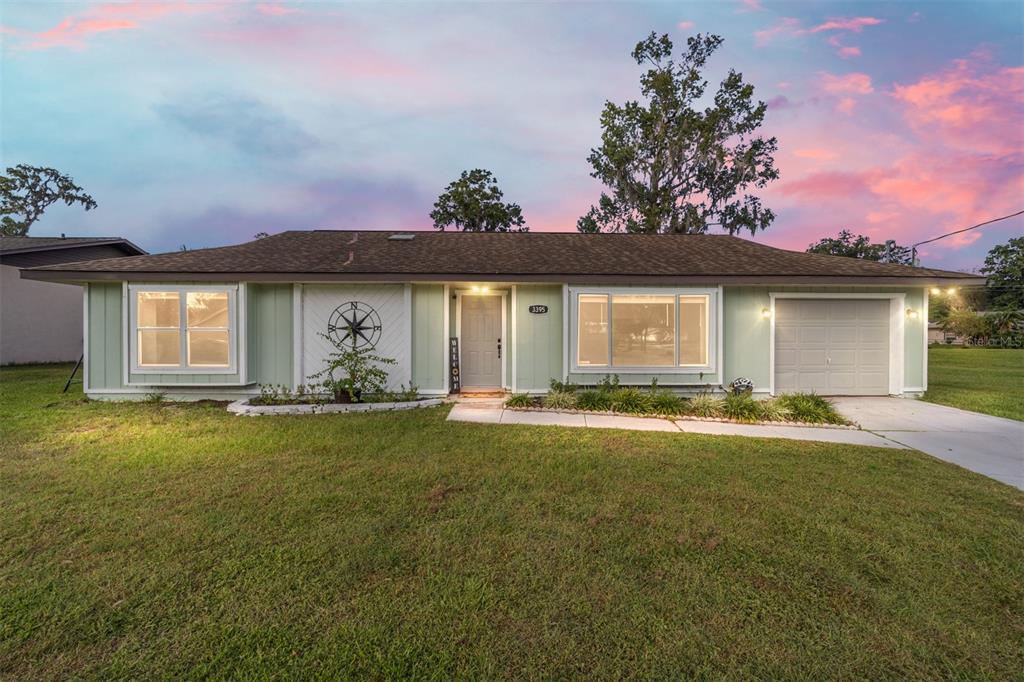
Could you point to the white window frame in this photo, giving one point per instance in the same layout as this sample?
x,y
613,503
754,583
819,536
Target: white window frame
x,y
232,290
713,323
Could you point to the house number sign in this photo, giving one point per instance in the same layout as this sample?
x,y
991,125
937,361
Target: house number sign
x,y
538,309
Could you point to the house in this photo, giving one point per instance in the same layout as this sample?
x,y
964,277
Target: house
x,y
39,321
936,334
506,311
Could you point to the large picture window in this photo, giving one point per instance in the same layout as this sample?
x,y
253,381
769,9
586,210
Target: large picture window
x,y
659,329
183,329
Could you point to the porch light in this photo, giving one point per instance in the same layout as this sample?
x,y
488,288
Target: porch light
x,y
951,290
479,289
766,313
911,313
936,291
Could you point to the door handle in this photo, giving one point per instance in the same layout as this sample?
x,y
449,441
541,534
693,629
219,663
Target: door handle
x,y
499,348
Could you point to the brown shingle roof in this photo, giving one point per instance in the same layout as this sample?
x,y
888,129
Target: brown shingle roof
x,y
549,256
23,243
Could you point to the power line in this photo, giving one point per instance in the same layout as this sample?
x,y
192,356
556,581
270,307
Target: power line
x,y
913,248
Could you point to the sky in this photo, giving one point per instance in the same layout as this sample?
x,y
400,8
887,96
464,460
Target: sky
x,y
203,123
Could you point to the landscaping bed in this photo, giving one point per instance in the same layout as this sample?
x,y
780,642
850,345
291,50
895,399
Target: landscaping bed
x,y
796,409
247,407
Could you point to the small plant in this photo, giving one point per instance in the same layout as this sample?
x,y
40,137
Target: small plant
x,y
811,408
594,400
705,405
563,387
666,402
631,401
774,411
560,400
155,398
351,372
742,407
610,382
519,400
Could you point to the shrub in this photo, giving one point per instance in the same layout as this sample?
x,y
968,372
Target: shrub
x,y
742,407
705,405
610,382
811,408
560,400
631,401
519,400
593,399
774,411
563,387
351,372
666,402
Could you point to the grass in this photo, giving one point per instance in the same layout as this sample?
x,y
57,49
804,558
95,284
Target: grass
x,y
985,380
164,540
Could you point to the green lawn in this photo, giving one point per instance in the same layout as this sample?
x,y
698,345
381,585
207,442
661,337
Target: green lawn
x,y
985,380
155,540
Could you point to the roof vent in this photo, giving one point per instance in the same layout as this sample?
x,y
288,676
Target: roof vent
x,y
401,237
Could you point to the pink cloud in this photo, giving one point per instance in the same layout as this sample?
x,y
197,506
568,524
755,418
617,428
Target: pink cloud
x,y
751,5
275,9
854,24
816,153
829,184
847,84
76,29
685,25
847,51
972,104
786,26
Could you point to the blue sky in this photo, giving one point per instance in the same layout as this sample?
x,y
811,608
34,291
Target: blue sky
x,y
204,123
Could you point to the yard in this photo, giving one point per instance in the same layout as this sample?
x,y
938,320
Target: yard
x,y
988,380
156,540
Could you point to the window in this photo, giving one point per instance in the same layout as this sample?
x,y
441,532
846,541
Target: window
x,y
646,329
183,329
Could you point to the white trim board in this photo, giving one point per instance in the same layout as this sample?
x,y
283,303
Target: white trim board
x,y
504,338
714,323
897,330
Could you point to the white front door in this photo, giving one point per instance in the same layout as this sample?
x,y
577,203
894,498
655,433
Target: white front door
x,y
481,341
832,346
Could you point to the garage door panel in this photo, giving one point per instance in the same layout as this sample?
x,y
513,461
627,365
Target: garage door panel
x,y
832,346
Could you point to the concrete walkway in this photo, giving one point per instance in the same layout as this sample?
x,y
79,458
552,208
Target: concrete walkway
x,y
492,411
991,446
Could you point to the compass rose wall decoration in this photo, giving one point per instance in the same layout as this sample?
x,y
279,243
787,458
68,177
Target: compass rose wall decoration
x,y
355,324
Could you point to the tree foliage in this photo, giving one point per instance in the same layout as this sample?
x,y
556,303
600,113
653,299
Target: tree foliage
x,y
859,246
27,191
473,203
1004,267
674,167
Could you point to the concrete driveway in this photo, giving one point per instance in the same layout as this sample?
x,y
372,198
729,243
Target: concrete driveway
x,y
991,446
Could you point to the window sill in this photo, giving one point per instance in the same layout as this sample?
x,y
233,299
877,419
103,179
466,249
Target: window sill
x,y
643,370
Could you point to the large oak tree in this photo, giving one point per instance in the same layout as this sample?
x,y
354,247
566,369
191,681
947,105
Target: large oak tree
x,y
675,162
26,192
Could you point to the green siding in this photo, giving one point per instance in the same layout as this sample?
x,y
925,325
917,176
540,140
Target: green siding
x,y
538,337
105,364
429,341
271,355
748,333
269,320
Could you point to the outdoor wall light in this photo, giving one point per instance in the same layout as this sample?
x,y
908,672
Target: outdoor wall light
x,y
951,290
936,291
766,313
911,313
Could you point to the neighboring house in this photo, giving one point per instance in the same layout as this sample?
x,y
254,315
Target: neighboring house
x,y
39,321
515,310
936,334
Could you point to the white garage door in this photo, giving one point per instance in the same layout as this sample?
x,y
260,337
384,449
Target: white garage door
x,y
832,346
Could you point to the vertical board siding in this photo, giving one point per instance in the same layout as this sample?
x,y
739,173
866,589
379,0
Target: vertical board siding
x,y
538,337
748,333
105,358
270,335
428,337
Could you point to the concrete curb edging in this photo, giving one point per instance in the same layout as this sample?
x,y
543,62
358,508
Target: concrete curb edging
x,y
685,417
242,407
